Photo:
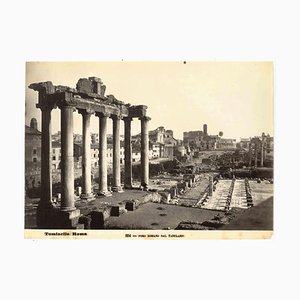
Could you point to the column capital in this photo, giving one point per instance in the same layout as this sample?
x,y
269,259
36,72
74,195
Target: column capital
x,y
116,117
45,107
66,100
63,105
102,114
144,118
127,119
85,111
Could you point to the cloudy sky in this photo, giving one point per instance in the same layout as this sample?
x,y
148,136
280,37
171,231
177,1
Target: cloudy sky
x,y
233,97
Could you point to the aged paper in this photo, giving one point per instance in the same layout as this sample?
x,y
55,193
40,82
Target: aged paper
x,y
149,150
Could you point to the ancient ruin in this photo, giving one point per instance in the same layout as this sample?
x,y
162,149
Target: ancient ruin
x,y
88,98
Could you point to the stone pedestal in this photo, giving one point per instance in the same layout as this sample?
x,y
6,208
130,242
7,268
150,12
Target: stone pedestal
x,y
46,217
69,219
116,155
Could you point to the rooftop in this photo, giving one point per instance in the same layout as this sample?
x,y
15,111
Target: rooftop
x,y
29,130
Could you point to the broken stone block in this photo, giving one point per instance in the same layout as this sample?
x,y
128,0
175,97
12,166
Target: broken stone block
x,y
84,86
115,211
122,210
173,191
130,205
103,89
97,221
86,221
43,87
106,213
155,197
96,84
63,88
166,197
113,100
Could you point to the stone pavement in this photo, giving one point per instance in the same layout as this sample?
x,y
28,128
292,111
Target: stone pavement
x,y
218,200
260,192
239,198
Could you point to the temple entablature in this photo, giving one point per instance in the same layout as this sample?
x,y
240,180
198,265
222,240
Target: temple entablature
x,y
88,94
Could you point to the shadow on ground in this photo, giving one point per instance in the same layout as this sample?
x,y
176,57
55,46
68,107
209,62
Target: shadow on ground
x,y
259,217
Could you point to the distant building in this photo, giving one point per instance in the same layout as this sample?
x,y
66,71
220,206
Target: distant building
x,y
243,143
77,138
136,154
226,143
155,150
200,140
109,154
161,143
56,136
33,141
56,155
94,138
180,151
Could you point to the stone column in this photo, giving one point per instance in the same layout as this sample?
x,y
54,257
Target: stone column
x,y
67,159
45,207
255,157
250,154
103,154
262,153
128,153
69,215
116,155
46,160
210,188
86,155
144,152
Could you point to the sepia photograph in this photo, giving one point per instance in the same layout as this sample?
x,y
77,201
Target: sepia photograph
x,y
149,149
170,147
